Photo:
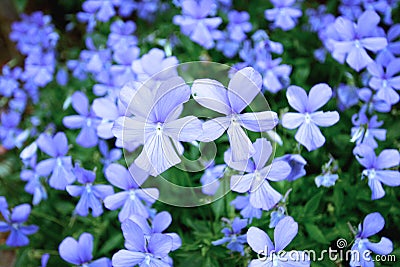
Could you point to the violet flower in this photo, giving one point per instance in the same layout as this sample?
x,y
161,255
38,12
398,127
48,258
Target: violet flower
x,y
90,195
86,120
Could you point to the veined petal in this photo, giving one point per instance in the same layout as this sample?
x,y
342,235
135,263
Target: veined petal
x,y
319,95
241,183
374,44
285,231
310,136
388,177
158,155
115,201
259,121
325,119
263,152
358,58
185,129
129,130
259,241
214,128
297,98
160,245
126,258
372,224
387,159
241,146
292,120
264,196
46,144
161,222
134,237
212,95
243,88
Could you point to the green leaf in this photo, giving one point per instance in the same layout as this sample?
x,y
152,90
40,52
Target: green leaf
x,y
316,234
313,204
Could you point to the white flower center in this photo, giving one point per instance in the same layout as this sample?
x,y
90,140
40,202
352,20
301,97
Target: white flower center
x,y
159,128
132,194
357,43
307,118
235,119
89,187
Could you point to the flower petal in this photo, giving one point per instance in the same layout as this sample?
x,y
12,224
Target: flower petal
x,y
319,95
243,88
297,98
212,95
285,231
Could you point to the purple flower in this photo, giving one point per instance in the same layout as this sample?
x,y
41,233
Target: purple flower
x,y
59,165
9,80
262,195
8,129
372,102
34,185
44,260
347,96
351,9
238,25
247,210
283,15
154,67
393,48
86,120
91,195
133,199
4,207
268,252
385,81
375,168
326,179
195,24
242,89
356,38
232,236
109,156
14,223
156,124
275,74
39,68
365,130
373,223
159,224
140,250
34,34
296,163
210,178
80,252
62,77
104,9
277,216
121,35
96,61
308,117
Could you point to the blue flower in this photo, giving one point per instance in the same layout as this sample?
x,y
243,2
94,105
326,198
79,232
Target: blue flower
x,y
233,237
59,165
143,251
283,14
268,252
86,120
372,224
242,89
133,199
375,168
210,178
247,210
196,25
255,181
156,123
14,223
91,195
308,117
80,252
